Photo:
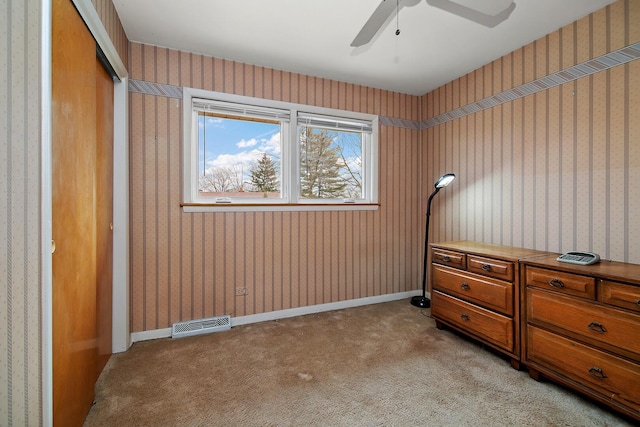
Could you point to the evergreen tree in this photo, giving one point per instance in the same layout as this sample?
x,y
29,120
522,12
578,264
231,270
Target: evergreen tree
x,y
319,165
264,176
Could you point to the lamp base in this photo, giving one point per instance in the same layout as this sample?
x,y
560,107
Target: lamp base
x,y
420,301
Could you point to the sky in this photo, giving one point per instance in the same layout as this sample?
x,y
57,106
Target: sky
x,y
232,143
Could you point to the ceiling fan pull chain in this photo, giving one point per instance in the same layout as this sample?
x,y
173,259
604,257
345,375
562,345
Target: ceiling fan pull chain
x,y
397,17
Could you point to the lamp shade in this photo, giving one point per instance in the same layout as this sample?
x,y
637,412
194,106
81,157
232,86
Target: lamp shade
x,y
444,180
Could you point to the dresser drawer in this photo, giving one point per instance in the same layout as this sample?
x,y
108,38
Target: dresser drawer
x,y
614,378
488,325
619,294
484,291
567,283
450,258
491,267
597,324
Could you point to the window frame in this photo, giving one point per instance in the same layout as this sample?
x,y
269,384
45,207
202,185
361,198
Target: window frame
x,y
290,155
335,123
238,111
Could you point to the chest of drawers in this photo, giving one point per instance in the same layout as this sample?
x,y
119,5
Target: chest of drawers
x,y
581,328
475,291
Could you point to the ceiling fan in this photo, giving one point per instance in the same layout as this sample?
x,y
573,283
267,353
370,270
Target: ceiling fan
x,y
484,12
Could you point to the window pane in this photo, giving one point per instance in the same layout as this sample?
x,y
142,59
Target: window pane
x,y
238,156
330,163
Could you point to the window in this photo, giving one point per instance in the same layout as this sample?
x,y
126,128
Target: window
x,y
330,157
245,153
238,151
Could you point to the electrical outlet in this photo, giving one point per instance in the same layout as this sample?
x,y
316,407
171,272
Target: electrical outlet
x,y
241,291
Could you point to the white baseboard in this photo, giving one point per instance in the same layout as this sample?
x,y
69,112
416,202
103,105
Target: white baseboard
x,y
153,334
282,314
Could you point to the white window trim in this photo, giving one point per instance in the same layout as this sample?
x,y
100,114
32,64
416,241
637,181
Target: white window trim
x,y
290,201
241,110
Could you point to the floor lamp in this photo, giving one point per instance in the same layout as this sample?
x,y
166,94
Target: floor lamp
x,y
421,300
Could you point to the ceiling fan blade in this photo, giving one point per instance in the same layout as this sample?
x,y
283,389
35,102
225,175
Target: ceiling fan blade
x,y
488,12
380,15
487,7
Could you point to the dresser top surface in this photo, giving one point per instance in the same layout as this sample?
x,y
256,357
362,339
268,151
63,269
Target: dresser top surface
x,y
609,270
488,249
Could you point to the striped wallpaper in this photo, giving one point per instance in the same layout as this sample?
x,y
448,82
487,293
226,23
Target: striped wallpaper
x,y
20,268
111,21
554,170
532,172
187,265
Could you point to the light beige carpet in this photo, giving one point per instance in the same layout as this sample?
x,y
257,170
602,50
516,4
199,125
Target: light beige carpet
x,y
378,365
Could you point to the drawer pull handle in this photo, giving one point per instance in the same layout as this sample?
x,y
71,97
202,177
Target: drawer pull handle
x,y
465,317
486,267
597,327
446,258
597,373
465,286
638,303
556,283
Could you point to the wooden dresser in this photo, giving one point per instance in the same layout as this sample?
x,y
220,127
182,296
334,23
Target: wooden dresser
x,y
581,328
475,290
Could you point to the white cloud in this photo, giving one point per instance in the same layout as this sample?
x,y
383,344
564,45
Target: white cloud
x,y
271,145
245,159
245,144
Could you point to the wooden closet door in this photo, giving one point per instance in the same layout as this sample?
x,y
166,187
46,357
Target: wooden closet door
x,y
73,156
104,211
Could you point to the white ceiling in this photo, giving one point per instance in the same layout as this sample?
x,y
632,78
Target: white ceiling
x,y
313,37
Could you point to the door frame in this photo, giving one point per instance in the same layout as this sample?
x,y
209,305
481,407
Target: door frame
x,y
121,340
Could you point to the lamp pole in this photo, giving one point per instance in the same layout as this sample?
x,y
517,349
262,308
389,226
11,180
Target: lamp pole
x,y
421,300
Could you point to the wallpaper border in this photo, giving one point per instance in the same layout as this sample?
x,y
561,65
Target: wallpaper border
x,y
170,91
587,68
157,89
